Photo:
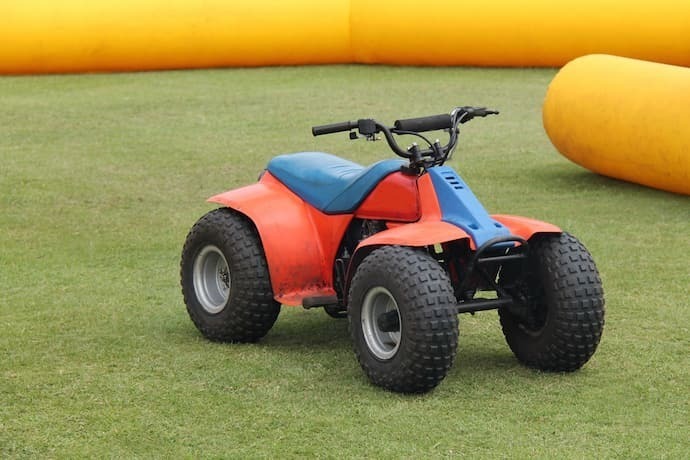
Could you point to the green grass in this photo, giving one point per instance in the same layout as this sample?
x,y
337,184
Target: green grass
x,y
101,176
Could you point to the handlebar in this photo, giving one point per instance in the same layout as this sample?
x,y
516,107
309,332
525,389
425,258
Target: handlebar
x,y
333,128
422,124
437,153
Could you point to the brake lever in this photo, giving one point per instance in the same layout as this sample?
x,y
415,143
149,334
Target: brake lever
x,y
471,112
483,112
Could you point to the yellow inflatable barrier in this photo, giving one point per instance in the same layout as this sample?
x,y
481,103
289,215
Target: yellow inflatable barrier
x,y
623,118
55,36
535,33
41,36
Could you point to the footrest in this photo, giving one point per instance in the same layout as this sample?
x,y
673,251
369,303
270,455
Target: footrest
x,y
319,301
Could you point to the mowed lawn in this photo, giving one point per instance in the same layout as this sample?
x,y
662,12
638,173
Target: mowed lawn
x,y
101,177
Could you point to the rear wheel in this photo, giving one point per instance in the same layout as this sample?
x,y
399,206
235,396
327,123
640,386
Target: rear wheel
x,y
559,325
225,279
402,319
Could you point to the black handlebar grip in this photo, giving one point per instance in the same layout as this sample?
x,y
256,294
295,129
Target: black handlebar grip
x,y
422,124
333,128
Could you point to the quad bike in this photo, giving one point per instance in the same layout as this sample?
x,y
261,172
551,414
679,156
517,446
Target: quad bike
x,y
400,248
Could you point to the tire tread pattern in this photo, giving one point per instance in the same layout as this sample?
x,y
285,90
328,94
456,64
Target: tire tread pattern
x,y
425,299
574,292
251,310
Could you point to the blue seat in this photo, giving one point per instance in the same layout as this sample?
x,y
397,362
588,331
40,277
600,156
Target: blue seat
x,y
329,183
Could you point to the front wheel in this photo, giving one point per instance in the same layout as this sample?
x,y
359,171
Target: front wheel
x,y
559,325
403,320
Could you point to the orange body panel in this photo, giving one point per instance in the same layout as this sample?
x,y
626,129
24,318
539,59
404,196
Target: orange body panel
x,y
429,230
299,241
431,209
418,234
525,227
395,198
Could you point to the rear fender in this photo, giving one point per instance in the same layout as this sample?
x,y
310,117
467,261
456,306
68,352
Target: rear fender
x,y
299,241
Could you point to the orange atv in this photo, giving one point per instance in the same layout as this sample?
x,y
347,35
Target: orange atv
x,y
400,248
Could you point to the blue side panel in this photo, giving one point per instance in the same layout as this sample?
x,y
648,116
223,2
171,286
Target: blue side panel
x,y
461,208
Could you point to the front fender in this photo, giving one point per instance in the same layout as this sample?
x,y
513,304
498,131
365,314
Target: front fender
x,y
419,234
431,232
525,227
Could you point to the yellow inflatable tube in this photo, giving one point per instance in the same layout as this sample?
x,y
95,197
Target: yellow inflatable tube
x,y
623,118
41,36
533,33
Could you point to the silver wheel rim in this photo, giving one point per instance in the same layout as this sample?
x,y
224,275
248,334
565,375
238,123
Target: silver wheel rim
x,y
211,279
382,344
